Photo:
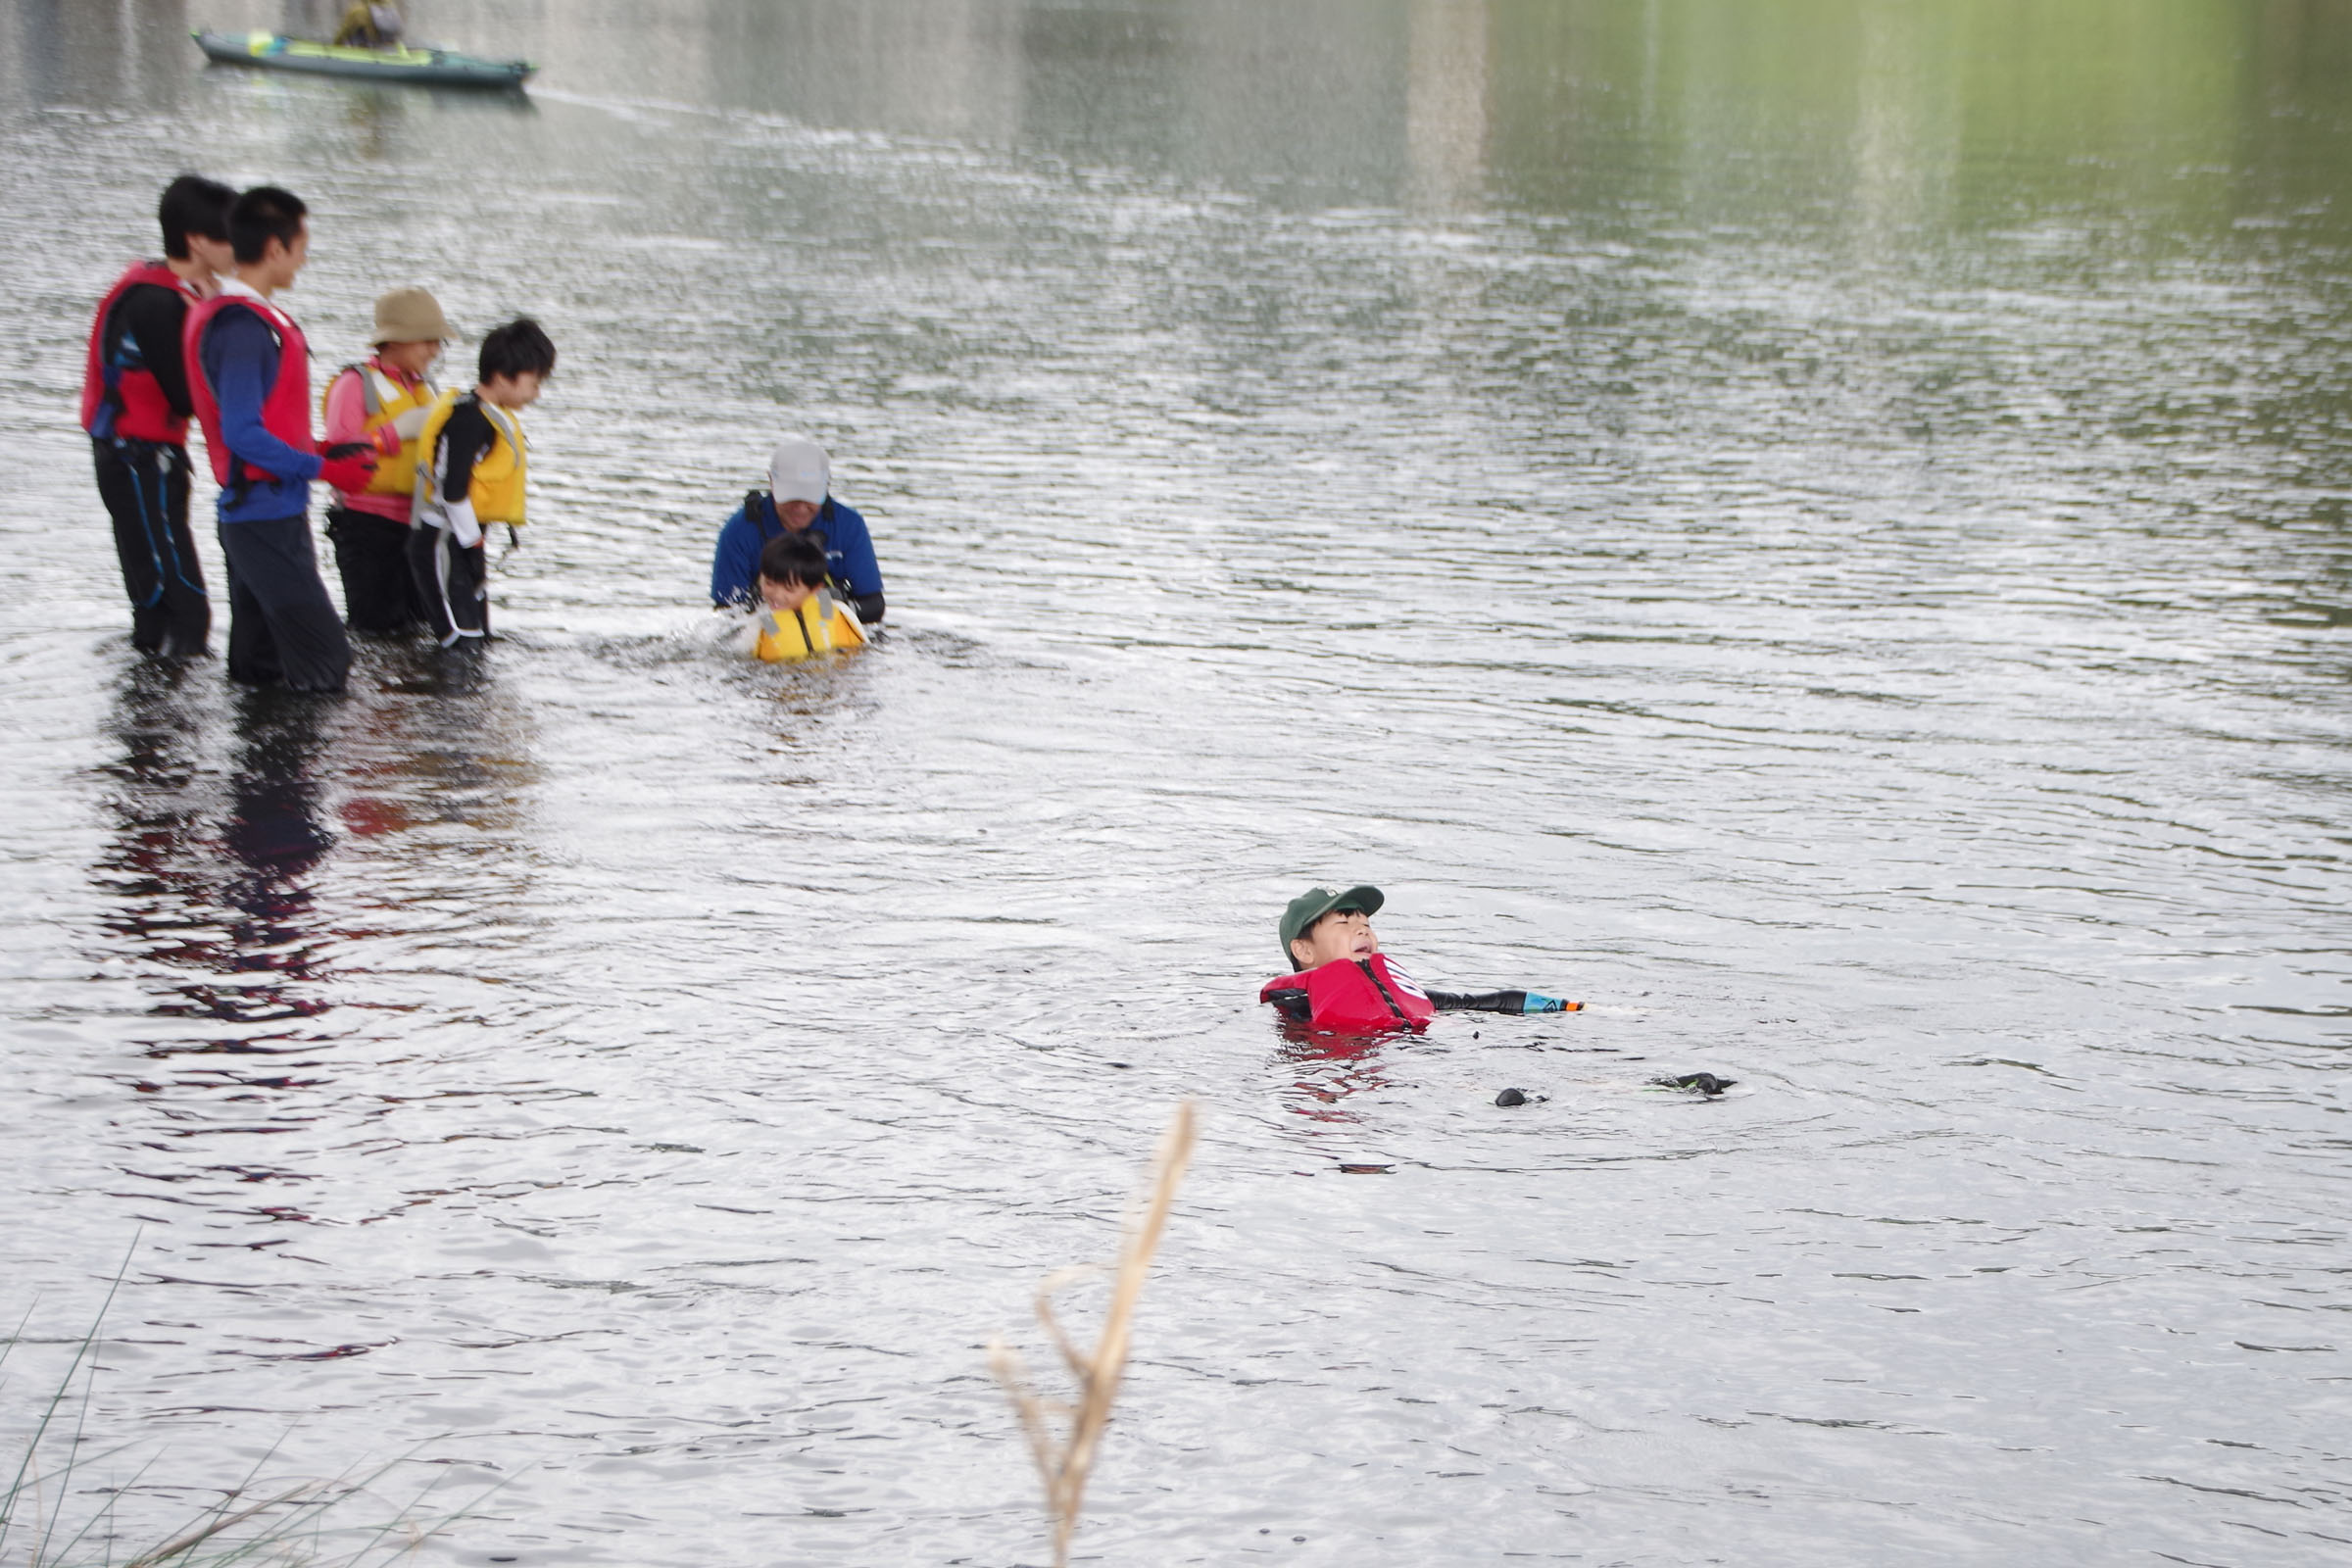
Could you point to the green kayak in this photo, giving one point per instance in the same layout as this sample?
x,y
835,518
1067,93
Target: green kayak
x,y
433,68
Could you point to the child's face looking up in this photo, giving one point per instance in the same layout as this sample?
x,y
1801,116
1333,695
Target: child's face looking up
x,y
784,596
1341,934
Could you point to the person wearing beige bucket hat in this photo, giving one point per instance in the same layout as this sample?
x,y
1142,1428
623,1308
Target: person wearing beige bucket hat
x,y
383,401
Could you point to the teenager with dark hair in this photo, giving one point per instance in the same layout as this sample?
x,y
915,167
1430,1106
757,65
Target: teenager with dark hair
x,y
250,379
471,464
135,403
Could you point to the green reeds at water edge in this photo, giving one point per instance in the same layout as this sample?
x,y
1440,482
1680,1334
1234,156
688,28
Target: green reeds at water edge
x,y
279,1523
1065,1459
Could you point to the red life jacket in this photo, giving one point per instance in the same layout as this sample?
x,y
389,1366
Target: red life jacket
x,y
1356,995
126,400
285,412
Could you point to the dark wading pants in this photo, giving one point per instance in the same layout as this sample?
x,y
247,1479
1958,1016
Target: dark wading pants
x,y
145,487
282,626
453,581
371,554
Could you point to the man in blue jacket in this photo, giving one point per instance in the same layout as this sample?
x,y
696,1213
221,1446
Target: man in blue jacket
x,y
798,499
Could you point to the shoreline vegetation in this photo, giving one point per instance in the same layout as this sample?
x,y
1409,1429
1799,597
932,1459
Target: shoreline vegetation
x,y
289,1523
260,1520
1065,1460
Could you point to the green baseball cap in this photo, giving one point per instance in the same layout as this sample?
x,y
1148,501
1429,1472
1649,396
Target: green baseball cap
x,y
1316,903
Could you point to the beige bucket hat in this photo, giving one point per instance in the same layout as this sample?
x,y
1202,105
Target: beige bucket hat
x,y
410,316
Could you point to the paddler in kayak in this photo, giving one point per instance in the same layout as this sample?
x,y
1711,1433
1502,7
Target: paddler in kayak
x,y
800,617
371,27
370,528
798,500
1340,980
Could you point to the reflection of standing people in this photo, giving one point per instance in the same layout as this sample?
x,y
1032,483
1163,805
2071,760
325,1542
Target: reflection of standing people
x,y
250,379
370,528
371,27
135,403
470,468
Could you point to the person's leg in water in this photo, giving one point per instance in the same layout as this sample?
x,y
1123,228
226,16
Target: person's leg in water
x,y
145,487
282,621
452,581
371,556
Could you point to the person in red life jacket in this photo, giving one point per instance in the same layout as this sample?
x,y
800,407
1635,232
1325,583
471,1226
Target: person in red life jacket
x,y
249,377
369,528
1340,980
135,403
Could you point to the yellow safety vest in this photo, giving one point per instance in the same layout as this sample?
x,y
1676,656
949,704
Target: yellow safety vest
x,y
385,399
497,488
818,626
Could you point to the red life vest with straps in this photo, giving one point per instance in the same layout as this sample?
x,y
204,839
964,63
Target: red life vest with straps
x,y
1356,995
285,412
126,400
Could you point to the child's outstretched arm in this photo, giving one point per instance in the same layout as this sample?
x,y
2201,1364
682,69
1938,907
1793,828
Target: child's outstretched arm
x,y
1511,1002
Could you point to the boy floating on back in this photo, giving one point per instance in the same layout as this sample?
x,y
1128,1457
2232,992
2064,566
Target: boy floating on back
x,y
1342,980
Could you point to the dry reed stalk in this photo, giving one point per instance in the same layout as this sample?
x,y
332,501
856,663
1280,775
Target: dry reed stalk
x,y
204,1533
1064,1463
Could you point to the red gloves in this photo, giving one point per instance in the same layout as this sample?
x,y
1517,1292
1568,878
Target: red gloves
x,y
348,474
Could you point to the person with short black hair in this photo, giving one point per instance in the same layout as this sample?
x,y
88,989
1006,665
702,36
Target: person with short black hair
x,y
471,465
250,381
798,499
800,618
135,404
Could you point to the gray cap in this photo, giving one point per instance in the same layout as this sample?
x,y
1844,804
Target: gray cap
x,y
799,472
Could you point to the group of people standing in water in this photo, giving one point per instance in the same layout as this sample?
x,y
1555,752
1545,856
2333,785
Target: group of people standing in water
x,y
416,473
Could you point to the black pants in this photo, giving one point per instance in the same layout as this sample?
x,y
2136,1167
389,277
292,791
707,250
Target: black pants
x,y
371,555
282,626
453,581
145,487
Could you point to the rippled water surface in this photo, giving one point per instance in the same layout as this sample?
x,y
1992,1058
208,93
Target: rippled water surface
x,y
1817,528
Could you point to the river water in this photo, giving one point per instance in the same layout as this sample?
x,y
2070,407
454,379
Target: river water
x,y
1819,528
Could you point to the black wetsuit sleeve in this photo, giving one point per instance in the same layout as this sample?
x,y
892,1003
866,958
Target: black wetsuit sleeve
x,y
1292,1002
151,318
868,608
466,437
1478,1000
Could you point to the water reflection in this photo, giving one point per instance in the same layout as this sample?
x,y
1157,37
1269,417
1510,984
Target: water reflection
x,y
213,875
1329,1068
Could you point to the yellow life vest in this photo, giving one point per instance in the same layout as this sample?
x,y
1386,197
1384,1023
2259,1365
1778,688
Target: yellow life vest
x,y
385,399
497,488
818,626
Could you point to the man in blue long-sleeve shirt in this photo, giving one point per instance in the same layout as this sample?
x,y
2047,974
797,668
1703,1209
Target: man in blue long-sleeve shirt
x,y
251,387
799,498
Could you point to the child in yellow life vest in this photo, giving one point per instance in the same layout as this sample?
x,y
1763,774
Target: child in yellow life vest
x,y
382,403
470,466
800,618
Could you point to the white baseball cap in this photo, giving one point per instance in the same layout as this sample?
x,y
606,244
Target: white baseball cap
x,y
799,471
